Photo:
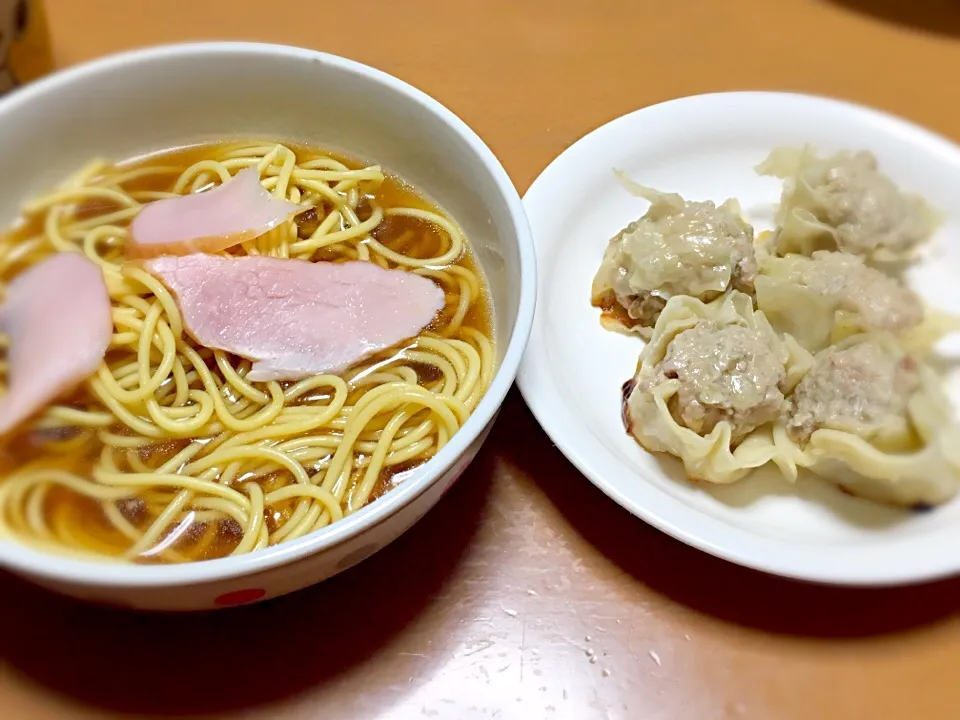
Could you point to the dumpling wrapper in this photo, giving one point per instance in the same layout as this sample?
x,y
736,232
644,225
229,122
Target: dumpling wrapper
x,y
916,464
240,209
647,414
827,297
295,319
844,202
57,318
678,247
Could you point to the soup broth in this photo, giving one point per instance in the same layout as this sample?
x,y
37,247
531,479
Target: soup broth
x,y
107,471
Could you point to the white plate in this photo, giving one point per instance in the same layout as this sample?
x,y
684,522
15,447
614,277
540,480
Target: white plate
x,y
705,147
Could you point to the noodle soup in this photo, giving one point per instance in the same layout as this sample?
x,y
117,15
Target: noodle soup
x,y
168,453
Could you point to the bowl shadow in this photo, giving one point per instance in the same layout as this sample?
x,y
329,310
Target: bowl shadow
x,y
688,576
214,662
941,17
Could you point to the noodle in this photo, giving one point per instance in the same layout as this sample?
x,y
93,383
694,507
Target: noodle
x,y
168,454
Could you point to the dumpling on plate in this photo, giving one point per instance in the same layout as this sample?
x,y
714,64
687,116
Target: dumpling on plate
x,y
828,296
872,419
710,384
843,202
676,248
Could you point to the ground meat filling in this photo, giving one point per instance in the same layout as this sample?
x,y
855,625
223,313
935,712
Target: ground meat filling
x,y
867,209
644,308
726,373
881,301
857,389
677,248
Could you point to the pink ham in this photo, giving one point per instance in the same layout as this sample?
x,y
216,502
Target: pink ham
x,y
57,317
210,221
294,318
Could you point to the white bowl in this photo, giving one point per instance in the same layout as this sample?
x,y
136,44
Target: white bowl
x,y
125,105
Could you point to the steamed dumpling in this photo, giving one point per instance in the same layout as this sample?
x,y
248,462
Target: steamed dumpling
x,y
843,202
676,248
710,378
831,295
861,387
872,419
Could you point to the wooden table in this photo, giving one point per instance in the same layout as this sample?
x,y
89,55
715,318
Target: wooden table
x,y
527,593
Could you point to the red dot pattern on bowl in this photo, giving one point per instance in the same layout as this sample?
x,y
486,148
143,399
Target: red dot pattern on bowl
x,y
239,597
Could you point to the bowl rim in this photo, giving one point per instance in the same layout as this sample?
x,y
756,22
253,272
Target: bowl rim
x,y
96,573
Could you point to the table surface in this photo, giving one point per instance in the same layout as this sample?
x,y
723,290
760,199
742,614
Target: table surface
x,y
527,593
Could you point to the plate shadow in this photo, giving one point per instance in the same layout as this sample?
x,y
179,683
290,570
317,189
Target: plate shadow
x,y
749,598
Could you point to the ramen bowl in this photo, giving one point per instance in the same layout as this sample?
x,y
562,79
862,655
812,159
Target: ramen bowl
x,y
135,103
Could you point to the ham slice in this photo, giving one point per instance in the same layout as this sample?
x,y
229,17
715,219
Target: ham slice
x,y
295,318
57,317
241,209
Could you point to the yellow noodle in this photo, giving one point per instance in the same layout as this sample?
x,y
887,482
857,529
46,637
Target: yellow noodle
x,y
180,430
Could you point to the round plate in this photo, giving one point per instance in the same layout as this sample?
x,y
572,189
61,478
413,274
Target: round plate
x,y
705,147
